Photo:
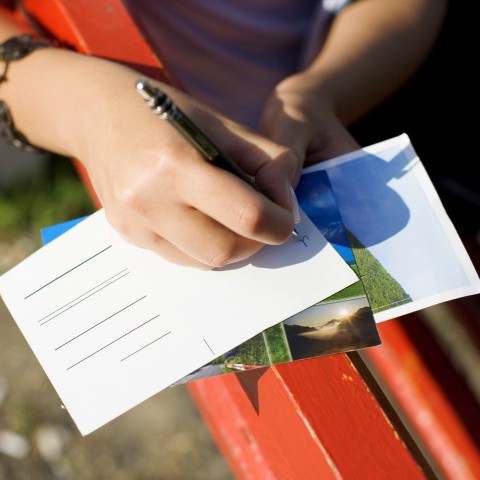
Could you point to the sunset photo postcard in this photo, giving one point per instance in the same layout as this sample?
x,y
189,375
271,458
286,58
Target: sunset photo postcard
x,y
343,322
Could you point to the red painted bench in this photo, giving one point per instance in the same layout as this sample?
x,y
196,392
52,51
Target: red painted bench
x,y
384,413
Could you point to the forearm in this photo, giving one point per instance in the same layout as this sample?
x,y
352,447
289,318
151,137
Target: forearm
x,y
374,47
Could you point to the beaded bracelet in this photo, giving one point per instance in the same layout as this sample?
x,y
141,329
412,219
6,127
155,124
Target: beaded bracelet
x,y
13,49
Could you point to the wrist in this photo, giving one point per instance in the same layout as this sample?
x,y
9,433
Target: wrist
x,y
11,50
62,105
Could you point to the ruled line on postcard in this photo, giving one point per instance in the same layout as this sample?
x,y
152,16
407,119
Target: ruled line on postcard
x,y
99,323
83,296
112,342
145,346
67,272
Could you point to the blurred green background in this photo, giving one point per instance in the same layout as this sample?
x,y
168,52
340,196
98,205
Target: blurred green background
x,y
52,194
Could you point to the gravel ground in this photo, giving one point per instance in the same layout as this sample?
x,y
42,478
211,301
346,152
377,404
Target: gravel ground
x,y
163,438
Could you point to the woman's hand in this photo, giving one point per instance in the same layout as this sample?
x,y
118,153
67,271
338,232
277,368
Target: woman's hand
x,y
160,193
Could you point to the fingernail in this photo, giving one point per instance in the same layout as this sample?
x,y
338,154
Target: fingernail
x,y
295,206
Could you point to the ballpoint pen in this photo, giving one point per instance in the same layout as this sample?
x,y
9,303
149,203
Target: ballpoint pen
x,y
163,106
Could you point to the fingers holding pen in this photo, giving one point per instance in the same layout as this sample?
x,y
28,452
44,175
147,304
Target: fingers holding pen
x,y
205,218
192,240
188,211
230,202
198,250
161,193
